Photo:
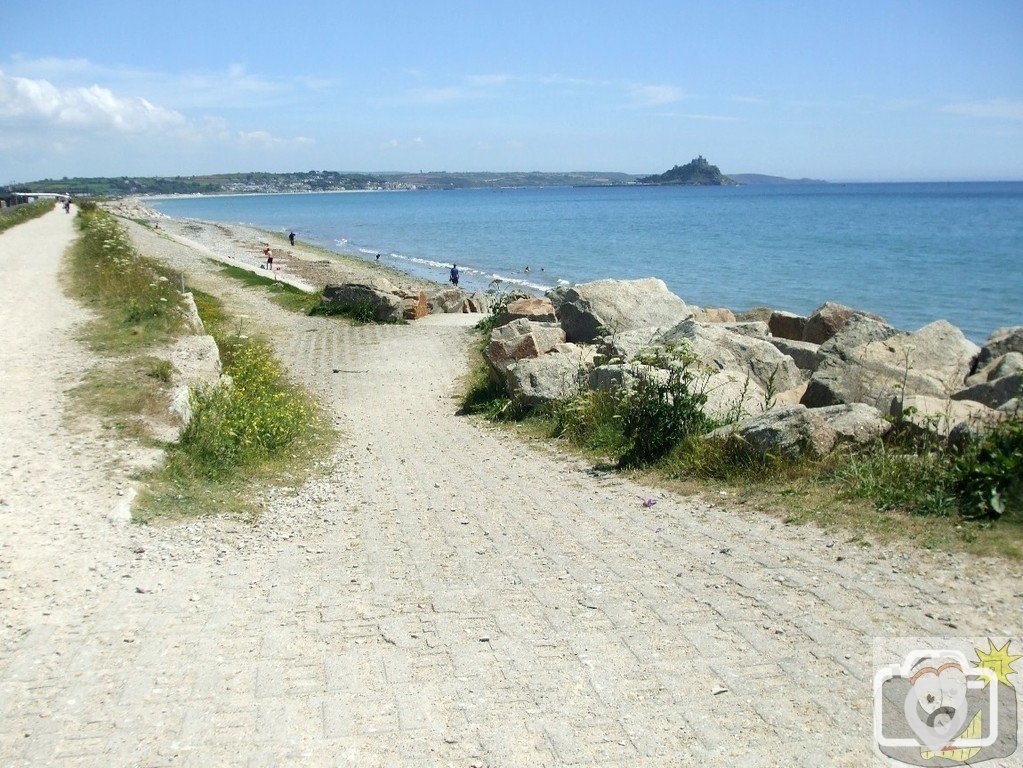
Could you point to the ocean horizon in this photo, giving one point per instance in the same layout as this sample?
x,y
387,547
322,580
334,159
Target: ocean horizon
x,y
912,252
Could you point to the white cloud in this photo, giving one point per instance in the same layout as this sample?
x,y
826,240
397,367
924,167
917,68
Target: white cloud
x,y
396,144
266,140
26,102
655,95
1003,109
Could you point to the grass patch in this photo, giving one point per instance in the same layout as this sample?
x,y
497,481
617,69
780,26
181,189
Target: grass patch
x,y
247,433
127,394
12,217
283,294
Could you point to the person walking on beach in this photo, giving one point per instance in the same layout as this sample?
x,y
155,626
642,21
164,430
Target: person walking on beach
x,y
291,237
269,258
454,275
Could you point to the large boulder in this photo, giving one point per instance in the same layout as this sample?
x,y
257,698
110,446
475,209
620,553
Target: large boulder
x,y
445,301
380,295
553,377
790,431
722,349
415,307
993,393
860,330
625,346
606,307
785,325
856,423
623,376
1004,365
757,314
713,315
828,319
539,310
1000,342
521,339
940,415
933,362
731,397
805,354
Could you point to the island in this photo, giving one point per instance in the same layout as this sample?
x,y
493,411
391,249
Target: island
x,y
697,172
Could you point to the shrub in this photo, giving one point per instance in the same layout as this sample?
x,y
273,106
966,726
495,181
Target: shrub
x,y
659,414
989,473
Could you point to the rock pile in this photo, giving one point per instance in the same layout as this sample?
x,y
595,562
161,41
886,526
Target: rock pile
x,y
786,383
390,303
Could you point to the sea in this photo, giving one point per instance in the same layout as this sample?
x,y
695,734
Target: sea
x,y
910,252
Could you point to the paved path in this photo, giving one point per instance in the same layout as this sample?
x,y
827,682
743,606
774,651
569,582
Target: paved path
x,y
447,596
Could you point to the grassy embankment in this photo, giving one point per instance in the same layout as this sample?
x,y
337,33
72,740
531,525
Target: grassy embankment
x,y
246,434
911,485
10,217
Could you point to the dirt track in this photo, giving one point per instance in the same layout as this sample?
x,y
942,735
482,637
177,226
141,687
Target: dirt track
x,y
444,595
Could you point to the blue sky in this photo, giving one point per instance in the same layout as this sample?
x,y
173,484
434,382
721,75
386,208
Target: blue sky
x,y
844,90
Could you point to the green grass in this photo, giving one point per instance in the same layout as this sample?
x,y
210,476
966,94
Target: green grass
x,y
245,437
283,294
11,217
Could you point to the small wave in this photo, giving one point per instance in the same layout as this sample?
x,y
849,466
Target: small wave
x,y
564,282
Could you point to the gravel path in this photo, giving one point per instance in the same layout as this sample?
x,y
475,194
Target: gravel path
x,y
443,595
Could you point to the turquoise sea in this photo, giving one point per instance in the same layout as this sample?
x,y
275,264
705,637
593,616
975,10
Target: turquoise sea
x,y
910,252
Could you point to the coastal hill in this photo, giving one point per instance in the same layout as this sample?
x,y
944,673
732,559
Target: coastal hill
x,y
697,172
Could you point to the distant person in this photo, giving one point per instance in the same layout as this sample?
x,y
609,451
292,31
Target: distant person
x,y
291,237
454,275
378,257
527,270
269,258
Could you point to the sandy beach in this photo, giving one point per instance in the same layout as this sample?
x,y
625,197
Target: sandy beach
x,y
442,594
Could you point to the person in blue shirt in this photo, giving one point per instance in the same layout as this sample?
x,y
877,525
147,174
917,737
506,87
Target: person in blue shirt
x,y
454,275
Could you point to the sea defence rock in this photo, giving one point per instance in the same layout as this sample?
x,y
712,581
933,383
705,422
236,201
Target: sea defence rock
x,y
445,301
540,310
713,315
608,307
994,393
790,431
785,325
856,423
933,362
555,376
757,314
380,295
414,306
828,319
518,340
1000,342
804,354
722,349
940,415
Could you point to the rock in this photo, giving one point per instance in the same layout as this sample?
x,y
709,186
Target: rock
x,y
544,379
380,295
478,303
940,415
195,360
731,397
445,301
521,339
805,354
757,314
191,314
1004,365
753,328
785,325
415,308
625,346
860,330
1012,407
722,349
828,319
608,307
932,362
789,396
1000,342
993,393
855,423
585,355
540,310
713,315
790,431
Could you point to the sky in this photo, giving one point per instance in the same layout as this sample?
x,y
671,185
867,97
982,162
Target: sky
x,y
865,90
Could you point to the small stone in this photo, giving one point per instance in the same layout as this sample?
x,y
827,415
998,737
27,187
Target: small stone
x,y
719,690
